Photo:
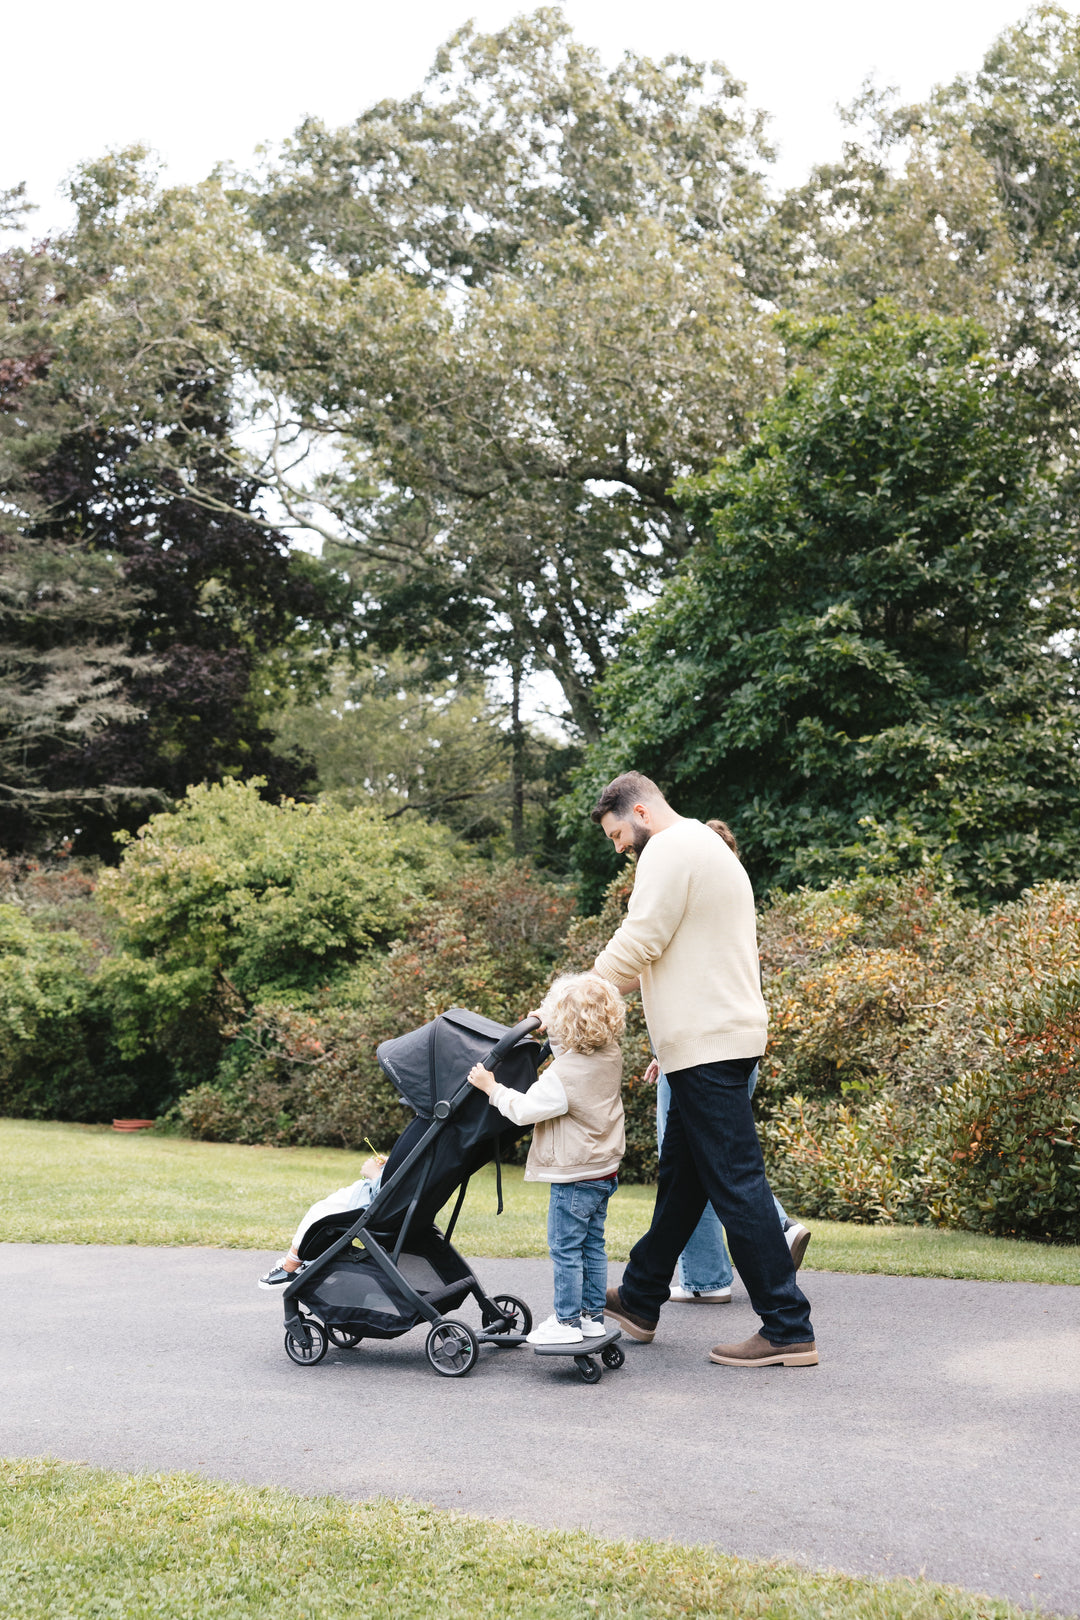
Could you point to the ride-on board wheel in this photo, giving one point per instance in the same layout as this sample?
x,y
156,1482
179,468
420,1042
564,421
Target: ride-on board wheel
x,y
344,1338
307,1355
519,1317
452,1348
612,1357
588,1369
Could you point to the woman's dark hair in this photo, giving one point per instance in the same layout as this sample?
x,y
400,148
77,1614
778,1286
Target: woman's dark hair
x,y
725,832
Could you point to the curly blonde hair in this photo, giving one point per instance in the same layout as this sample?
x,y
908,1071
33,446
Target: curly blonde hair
x,y
583,1012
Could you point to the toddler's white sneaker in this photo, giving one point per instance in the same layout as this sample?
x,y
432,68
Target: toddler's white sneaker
x,y
591,1328
706,1296
554,1332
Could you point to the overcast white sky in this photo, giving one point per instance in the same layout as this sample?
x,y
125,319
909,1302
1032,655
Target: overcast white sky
x,y
208,80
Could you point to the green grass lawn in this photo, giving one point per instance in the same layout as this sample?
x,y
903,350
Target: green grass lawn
x,y
89,1184
84,1544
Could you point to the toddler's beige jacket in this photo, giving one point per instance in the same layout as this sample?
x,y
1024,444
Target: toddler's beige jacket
x,y
576,1106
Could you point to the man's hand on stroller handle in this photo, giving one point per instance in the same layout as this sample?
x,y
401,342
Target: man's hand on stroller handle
x,y
481,1078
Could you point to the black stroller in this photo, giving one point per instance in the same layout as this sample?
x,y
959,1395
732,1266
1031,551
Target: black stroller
x,y
376,1273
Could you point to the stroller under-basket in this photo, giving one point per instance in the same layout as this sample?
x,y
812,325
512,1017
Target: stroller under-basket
x,y
379,1272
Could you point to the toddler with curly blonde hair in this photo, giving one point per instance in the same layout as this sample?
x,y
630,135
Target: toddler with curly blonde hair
x,y
578,1143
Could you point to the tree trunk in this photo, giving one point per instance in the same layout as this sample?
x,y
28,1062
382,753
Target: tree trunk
x,y
517,762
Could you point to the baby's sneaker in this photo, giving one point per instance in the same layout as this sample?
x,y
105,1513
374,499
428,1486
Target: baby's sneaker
x,y
592,1327
278,1275
554,1332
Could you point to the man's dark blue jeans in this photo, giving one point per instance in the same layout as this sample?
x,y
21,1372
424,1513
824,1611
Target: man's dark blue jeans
x,y
711,1153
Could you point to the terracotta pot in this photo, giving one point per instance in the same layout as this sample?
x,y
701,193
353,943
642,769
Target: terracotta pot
x,y
132,1124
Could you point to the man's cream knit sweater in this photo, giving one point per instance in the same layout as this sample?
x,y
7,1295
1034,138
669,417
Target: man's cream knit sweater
x,y
690,935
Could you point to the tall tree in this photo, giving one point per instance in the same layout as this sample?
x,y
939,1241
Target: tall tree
x,y
152,616
523,309
868,659
518,138
965,204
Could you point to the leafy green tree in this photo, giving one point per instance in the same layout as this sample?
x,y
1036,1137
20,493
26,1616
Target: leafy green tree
x,y
521,308
518,138
386,736
966,205
871,660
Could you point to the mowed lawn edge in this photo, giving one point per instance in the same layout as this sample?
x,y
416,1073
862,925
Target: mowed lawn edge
x,y
89,1184
83,1541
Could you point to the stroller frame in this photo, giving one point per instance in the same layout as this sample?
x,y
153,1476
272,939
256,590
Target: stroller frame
x,y
452,1346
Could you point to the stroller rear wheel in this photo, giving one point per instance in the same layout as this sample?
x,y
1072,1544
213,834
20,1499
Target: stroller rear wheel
x,y
519,1318
452,1348
344,1338
306,1355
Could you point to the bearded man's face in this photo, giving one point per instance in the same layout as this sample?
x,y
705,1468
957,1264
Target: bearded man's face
x,y
626,832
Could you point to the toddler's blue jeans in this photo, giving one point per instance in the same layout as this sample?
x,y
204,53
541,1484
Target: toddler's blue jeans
x,y
576,1215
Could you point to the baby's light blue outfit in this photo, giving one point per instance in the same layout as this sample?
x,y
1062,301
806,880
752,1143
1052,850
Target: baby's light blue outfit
x,y
358,1196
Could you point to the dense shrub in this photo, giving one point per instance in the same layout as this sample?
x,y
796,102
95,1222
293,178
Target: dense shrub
x,y
57,1056
229,902
489,942
1004,1144
924,1058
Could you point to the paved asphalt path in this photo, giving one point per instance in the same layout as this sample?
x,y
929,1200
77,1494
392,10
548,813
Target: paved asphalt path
x,y
939,1436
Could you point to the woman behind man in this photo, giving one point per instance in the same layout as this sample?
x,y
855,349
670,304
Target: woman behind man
x,y
705,1272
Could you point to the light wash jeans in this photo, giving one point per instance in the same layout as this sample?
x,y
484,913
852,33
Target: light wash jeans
x,y
576,1215
704,1264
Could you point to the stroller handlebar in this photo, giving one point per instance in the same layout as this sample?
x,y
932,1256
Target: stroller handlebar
x,y
507,1042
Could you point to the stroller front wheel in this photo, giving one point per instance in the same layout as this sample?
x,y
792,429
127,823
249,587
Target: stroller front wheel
x,y
306,1355
452,1349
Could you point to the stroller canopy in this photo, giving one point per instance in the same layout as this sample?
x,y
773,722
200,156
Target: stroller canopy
x,y
430,1064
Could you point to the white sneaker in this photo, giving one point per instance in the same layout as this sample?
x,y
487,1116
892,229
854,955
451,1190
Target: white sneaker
x,y
704,1296
591,1328
798,1236
554,1332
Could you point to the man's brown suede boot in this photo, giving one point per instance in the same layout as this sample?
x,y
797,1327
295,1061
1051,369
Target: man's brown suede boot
x,y
758,1352
637,1326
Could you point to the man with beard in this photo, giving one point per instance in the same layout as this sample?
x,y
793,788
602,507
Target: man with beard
x,y
690,937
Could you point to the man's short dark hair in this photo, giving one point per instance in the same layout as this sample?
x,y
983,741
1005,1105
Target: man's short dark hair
x,y
621,795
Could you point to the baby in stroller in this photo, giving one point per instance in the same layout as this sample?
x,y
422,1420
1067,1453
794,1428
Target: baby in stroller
x,y
356,1196
577,1146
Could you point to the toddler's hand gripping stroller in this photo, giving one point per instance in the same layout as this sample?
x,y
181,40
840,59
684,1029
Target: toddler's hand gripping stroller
x,y
378,1272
